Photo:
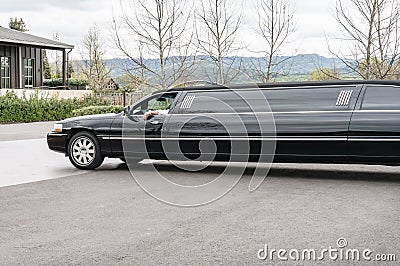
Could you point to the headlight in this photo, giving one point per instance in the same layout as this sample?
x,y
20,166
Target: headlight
x,y
58,127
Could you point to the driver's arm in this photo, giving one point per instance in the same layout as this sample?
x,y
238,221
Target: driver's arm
x,y
157,112
149,113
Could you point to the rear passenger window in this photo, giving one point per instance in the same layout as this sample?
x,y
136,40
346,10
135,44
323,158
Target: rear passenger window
x,y
312,99
381,98
214,102
280,100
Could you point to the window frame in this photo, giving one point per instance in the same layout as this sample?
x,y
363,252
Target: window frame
x,y
183,111
4,78
365,94
332,107
151,97
32,76
320,107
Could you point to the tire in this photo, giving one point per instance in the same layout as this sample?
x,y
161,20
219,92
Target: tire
x,y
84,151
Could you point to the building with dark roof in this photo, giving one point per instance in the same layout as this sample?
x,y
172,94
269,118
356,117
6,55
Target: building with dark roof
x,y
21,59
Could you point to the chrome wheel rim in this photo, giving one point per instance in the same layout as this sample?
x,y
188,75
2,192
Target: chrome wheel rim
x,y
83,151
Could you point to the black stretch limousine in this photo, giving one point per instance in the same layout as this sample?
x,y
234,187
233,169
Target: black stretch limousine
x,y
323,122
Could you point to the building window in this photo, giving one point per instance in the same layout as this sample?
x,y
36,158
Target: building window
x,y
5,73
28,65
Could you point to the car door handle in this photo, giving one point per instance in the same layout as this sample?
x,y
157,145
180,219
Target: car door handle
x,y
156,122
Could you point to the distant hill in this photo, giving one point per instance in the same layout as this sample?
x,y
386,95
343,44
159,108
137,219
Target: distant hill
x,y
301,64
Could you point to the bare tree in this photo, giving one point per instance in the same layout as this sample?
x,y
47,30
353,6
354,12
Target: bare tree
x,y
371,30
92,65
275,24
56,58
161,28
216,33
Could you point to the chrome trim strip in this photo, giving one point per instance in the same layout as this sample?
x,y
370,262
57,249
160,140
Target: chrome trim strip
x,y
312,112
381,85
223,138
252,113
339,99
347,99
255,87
343,102
266,138
191,100
294,112
300,112
187,102
375,139
57,135
344,98
377,111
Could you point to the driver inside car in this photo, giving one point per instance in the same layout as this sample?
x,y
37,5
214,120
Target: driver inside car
x,y
151,113
161,106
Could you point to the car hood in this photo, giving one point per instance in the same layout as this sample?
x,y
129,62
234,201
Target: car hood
x,y
90,117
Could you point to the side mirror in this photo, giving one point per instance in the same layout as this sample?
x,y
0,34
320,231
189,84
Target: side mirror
x,y
127,110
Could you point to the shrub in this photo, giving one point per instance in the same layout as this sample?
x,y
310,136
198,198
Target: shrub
x,y
77,82
93,110
59,82
53,82
37,107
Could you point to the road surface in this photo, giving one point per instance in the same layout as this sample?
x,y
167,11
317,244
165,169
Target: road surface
x,y
53,214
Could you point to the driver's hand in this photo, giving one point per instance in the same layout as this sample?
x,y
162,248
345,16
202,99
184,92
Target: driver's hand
x,y
149,113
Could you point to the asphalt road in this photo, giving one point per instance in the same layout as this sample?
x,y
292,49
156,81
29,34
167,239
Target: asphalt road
x,y
60,215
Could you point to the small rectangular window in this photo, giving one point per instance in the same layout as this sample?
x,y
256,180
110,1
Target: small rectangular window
x,y
5,73
312,99
381,98
214,102
29,69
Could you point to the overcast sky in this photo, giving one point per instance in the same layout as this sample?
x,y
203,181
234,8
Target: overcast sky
x,y
72,18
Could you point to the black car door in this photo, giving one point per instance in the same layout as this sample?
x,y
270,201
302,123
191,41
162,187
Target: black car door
x,y
310,122
139,137
206,124
313,122
375,126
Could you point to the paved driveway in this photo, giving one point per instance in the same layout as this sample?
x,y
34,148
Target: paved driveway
x,y
102,217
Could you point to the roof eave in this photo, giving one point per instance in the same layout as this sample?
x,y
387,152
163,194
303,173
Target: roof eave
x,y
42,45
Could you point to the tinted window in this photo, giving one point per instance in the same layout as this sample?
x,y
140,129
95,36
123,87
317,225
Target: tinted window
x,y
311,99
214,102
381,98
280,100
157,102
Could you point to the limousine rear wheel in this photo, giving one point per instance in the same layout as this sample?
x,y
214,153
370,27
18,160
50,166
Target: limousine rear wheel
x,y
84,151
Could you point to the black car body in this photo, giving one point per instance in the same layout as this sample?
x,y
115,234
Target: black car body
x,y
315,122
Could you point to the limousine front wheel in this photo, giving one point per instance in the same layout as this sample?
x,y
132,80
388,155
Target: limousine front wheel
x,y
84,151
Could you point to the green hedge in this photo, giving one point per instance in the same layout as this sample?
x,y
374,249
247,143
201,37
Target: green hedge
x,y
36,108
93,110
59,82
